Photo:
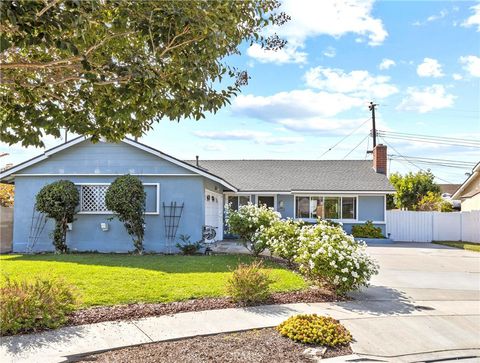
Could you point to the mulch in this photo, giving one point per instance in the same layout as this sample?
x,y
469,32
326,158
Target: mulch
x,y
262,346
143,310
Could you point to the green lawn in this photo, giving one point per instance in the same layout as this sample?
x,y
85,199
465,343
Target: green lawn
x,y
119,279
463,245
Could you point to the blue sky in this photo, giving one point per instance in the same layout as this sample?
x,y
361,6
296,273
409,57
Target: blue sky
x,y
419,60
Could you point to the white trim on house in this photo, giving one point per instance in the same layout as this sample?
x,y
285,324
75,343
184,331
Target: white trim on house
x,y
157,202
342,192
180,163
458,194
77,174
138,145
341,220
267,195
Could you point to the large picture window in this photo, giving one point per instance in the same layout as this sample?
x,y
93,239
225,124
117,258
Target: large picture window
x,y
326,207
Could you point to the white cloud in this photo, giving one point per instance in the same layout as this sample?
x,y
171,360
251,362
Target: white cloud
x,y
330,52
296,104
430,68
473,20
443,13
457,77
426,99
258,137
386,63
327,17
325,126
358,83
288,54
214,147
471,64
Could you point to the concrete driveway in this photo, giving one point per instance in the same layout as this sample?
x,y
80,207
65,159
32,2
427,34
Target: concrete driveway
x,y
423,306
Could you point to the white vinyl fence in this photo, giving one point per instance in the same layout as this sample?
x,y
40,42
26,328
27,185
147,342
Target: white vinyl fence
x,y
410,226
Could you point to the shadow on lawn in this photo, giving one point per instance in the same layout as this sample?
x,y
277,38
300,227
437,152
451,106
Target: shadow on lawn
x,y
163,263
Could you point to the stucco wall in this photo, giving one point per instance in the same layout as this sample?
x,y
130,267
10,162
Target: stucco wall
x,y
107,158
87,235
472,203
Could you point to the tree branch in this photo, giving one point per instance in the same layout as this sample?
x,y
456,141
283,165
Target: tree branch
x,y
46,8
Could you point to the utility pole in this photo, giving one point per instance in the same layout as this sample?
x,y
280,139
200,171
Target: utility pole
x,y
371,107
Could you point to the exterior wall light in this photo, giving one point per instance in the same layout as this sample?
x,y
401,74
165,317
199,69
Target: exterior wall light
x,y
281,205
104,226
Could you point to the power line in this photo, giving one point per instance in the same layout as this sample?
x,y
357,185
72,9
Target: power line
x,y
430,139
466,164
368,135
351,133
410,162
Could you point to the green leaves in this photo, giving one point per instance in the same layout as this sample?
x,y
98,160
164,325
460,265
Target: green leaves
x,y
411,188
126,198
86,66
58,201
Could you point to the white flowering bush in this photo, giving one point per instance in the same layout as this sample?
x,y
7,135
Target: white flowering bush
x,y
282,238
249,222
333,259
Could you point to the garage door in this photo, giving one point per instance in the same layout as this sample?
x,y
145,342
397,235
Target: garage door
x,y
214,212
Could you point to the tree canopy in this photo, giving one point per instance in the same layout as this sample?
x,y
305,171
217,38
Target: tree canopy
x,y
112,68
411,188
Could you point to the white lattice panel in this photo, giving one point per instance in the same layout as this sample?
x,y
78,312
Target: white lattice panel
x,y
93,198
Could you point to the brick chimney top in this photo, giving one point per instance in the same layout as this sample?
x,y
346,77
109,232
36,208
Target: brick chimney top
x,y
380,159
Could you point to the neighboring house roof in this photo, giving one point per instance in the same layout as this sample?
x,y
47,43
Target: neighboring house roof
x,y
9,173
299,175
474,177
449,188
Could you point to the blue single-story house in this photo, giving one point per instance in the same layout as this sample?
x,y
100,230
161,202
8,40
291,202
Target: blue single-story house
x,y
349,191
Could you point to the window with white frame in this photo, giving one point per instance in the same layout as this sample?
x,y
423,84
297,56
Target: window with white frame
x,y
326,207
236,201
92,198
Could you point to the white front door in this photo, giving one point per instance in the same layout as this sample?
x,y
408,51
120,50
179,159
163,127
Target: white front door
x,y
214,212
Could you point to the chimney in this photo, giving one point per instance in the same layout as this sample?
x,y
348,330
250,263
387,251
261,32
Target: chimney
x,y
197,163
380,159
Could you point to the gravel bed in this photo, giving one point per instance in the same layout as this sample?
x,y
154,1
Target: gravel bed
x,y
139,310
260,346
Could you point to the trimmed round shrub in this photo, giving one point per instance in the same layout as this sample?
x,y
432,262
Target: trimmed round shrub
x,y
315,329
367,230
27,306
126,198
58,201
282,238
249,283
249,222
333,259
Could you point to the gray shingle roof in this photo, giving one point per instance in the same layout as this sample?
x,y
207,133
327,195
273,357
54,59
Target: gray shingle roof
x,y
297,175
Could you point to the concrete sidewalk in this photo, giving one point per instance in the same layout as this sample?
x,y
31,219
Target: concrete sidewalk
x,y
417,329
424,305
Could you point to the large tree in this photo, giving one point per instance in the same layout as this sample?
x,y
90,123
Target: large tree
x,y
412,188
111,68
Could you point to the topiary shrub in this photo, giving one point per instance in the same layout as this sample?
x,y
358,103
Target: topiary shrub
x,y
282,238
333,259
249,283
126,198
367,230
27,306
58,200
315,329
249,222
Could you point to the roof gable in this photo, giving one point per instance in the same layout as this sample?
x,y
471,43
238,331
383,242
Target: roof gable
x,y
82,157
